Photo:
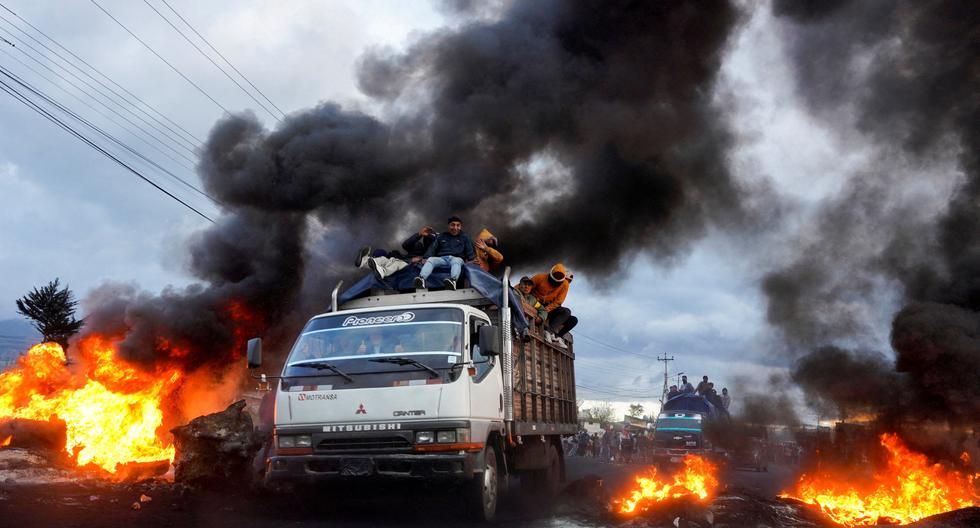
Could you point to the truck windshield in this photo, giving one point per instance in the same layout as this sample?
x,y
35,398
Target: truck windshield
x,y
354,343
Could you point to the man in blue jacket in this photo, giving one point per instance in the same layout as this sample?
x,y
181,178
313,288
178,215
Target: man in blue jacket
x,y
449,250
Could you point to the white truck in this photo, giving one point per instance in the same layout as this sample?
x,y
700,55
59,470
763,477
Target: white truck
x,y
424,385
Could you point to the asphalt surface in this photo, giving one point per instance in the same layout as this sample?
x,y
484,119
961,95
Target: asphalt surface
x,y
112,505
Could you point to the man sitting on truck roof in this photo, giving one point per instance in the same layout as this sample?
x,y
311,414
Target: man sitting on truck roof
x,y
673,392
703,387
386,263
686,385
449,250
550,289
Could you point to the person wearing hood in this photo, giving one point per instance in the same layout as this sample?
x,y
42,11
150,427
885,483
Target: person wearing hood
x,y
487,256
550,290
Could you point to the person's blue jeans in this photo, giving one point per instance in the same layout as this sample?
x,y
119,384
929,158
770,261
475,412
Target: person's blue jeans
x,y
455,265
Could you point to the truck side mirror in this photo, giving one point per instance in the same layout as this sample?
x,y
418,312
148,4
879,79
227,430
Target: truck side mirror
x,y
254,353
489,341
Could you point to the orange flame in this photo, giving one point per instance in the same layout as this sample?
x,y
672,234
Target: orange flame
x,y
112,411
6,441
908,489
698,478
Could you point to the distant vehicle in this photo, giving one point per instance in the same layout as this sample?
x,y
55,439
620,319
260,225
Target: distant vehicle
x,y
679,430
424,385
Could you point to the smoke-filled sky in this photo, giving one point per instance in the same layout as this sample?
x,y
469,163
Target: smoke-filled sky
x,y
730,183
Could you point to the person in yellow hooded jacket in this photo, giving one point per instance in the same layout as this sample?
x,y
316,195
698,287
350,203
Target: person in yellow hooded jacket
x,y
487,256
550,290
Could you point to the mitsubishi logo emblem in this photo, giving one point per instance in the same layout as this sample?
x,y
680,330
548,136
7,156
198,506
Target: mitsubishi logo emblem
x,y
360,409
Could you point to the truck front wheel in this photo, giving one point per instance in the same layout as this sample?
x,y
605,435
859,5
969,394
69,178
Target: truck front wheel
x,y
483,489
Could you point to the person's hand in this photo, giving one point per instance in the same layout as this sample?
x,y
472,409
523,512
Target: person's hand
x,y
423,260
399,348
481,244
416,260
426,231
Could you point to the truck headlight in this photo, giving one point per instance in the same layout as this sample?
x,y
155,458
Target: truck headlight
x,y
446,437
304,441
424,437
287,441
463,435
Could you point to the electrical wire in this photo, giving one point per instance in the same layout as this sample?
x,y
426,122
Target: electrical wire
x,y
94,109
111,107
110,137
165,61
256,88
208,57
68,128
194,140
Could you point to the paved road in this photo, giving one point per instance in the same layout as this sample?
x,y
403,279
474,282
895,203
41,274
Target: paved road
x,y
74,505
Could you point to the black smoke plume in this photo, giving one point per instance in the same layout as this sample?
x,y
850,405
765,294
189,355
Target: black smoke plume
x,y
577,131
904,76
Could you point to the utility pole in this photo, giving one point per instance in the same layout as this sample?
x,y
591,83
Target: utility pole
x,y
665,359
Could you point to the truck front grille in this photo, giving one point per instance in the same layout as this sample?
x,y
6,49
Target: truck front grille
x,y
384,443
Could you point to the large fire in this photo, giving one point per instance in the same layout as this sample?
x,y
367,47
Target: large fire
x,y
697,478
909,488
112,411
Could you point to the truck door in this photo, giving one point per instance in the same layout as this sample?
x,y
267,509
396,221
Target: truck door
x,y
486,387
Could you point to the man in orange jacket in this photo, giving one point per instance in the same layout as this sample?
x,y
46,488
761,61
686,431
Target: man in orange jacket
x,y
550,290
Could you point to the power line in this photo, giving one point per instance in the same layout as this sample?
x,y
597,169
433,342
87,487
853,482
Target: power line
x,y
165,61
195,141
611,347
68,128
96,99
96,110
208,57
223,57
169,133
110,137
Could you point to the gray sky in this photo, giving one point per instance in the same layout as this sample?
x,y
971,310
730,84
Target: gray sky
x,y
68,212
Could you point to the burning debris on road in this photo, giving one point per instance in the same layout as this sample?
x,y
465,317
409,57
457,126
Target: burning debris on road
x,y
907,489
698,478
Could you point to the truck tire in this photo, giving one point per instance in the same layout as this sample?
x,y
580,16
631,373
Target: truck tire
x,y
483,491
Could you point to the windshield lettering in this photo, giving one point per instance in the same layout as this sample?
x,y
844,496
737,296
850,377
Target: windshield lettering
x,y
382,319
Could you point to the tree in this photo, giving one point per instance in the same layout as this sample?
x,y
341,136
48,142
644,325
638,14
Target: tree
x,y
51,310
603,414
636,410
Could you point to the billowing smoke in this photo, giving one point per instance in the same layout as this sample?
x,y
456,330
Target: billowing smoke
x,y
903,75
578,131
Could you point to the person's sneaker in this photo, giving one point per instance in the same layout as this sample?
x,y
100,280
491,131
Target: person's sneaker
x,y
365,251
560,343
419,283
449,284
378,273
547,337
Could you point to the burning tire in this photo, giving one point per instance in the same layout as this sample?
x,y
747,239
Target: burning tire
x,y
483,490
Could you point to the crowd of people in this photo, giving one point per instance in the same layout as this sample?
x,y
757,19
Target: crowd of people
x,y
705,389
542,295
614,446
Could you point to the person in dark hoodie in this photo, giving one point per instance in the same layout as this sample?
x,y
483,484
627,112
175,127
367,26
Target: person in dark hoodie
x,y
449,250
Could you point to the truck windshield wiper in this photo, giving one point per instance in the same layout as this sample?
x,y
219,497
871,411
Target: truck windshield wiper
x,y
399,360
323,365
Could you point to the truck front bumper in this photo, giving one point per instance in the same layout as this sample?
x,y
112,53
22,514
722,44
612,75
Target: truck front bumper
x,y
318,468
